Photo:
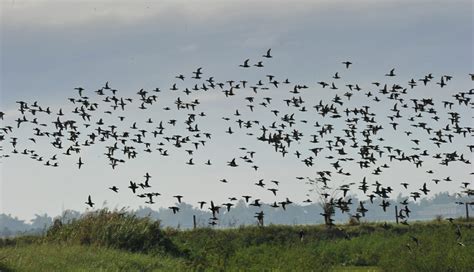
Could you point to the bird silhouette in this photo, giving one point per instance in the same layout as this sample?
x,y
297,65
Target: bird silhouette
x,y
246,64
267,55
89,202
80,163
133,186
347,63
389,123
391,73
178,197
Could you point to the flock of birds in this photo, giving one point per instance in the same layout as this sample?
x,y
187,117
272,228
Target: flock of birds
x,y
101,117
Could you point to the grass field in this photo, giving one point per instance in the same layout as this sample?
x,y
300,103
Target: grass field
x,y
113,241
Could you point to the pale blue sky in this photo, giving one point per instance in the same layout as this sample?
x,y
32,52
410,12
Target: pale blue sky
x,y
50,47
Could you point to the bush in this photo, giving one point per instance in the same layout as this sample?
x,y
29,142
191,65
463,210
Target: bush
x,y
115,229
353,221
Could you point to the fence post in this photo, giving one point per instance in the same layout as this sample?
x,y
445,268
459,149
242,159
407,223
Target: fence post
x,y
194,222
467,210
396,214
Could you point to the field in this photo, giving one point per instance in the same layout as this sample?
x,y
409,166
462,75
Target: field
x,y
114,241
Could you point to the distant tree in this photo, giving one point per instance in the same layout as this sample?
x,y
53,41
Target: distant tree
x,y
41,222
443,198
69,215
13,223
6,232
325,196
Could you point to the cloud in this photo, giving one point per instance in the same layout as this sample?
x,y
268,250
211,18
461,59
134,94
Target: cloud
x,y
62,13
52,13
189,47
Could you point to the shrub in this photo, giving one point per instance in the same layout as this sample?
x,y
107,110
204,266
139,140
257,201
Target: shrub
x,y
115,229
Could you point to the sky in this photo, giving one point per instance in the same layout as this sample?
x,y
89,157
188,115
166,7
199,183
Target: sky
x,y
47,48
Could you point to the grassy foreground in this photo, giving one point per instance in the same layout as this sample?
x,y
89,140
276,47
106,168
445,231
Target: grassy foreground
x,y
115,241
56,257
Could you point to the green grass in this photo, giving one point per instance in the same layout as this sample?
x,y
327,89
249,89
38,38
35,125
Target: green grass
x,y
356,269
56,257
116,241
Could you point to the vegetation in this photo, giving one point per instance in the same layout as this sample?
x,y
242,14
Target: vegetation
x,y
117,229
442,204
57,257
118,241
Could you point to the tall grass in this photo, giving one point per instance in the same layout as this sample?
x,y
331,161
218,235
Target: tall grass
x,y
321,249
118,236
50,257
115,229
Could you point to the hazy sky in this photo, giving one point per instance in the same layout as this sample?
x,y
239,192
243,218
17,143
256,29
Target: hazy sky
x,y
50,47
